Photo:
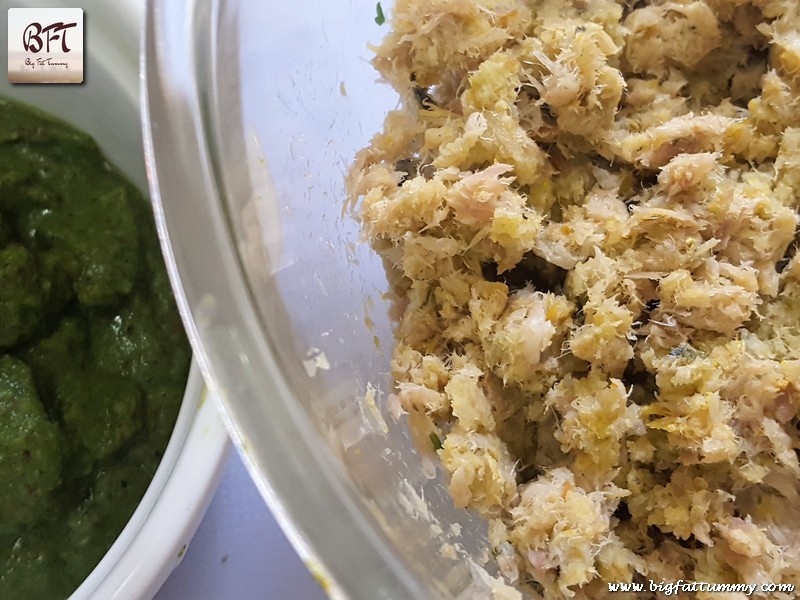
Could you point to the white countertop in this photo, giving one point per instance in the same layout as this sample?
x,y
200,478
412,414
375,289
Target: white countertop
x,y
239,552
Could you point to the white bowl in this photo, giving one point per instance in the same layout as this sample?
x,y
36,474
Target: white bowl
x,y
107,107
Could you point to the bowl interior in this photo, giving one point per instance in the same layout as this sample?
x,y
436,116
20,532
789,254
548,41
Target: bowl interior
x,y
266,104
107,107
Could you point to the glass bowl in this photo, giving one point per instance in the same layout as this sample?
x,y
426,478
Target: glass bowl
x,y
253,111
106,106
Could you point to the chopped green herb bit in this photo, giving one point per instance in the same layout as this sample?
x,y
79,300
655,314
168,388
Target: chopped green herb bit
x,y
437,443
380,19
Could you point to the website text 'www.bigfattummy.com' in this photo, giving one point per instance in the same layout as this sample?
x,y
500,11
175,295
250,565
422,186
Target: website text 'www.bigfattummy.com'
x,y
670,588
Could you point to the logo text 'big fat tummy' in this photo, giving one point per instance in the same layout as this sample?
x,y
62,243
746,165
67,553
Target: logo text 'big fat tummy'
x,y
45,45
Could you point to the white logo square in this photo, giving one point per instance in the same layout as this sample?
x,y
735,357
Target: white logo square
x,y
45,45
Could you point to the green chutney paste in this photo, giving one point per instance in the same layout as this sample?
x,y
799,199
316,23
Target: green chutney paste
x,y
93,356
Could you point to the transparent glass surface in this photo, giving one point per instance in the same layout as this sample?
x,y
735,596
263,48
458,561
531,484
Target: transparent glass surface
x,y
253,112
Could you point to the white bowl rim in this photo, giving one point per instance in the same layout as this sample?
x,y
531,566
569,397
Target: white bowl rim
x,y
155,539
156,536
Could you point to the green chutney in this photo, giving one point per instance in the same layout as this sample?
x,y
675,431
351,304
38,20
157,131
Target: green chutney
x,y
93,355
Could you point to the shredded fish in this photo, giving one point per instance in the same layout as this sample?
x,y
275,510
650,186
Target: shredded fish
x,y
587,210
